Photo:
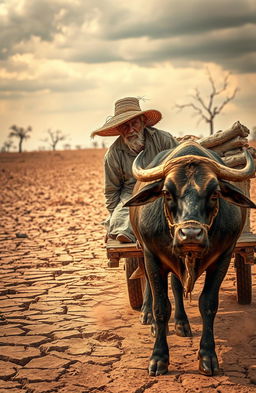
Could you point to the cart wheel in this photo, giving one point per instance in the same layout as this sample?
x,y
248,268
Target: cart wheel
x,y
243,280
134,286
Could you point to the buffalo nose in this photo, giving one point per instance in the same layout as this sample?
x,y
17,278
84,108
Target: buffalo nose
x,y
191,234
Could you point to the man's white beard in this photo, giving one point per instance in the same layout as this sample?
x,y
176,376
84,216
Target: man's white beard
x,y
135,142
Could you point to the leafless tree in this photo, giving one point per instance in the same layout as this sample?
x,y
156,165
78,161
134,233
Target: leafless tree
x,y
55,137
7,145
206,108
20,133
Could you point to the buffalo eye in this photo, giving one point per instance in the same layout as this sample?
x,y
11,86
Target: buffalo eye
x,y
213,198
168,196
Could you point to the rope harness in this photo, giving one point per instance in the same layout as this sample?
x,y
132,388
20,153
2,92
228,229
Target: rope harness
x,y
187,223
189,259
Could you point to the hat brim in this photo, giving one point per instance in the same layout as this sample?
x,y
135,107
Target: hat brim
x,y
110,127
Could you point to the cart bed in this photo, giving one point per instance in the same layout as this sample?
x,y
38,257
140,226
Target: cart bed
x,y
246,244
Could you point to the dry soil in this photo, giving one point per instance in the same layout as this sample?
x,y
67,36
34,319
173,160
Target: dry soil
x,y
66,324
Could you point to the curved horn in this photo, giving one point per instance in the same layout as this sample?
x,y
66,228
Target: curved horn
x,y
146,174
222,171
233,174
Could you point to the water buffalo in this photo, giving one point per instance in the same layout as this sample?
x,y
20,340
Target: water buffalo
x,y
187,218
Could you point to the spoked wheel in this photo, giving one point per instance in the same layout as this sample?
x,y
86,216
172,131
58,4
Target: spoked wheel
x,y
135,286
243,280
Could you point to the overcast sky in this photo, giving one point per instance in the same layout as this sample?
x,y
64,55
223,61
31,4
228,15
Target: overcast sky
x,y
63,63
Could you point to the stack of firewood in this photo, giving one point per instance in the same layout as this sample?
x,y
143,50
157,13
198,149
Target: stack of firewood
x,y
229,144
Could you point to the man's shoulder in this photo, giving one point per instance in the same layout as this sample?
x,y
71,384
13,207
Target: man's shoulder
x,y
114,148
160,134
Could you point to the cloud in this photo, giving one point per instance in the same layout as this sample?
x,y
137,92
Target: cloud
x,y
64,57
229,47
25,73
105,31
177,17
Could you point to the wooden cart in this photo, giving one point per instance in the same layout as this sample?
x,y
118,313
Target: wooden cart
x,y
133,256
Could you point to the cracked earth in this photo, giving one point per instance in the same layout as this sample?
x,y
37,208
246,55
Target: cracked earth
x,y
65,321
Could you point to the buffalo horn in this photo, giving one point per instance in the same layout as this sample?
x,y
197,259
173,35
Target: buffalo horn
x,y
146,174
222,171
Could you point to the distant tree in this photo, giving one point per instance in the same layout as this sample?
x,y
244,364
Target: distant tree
x,y
78,147
103,145
95,144
20,133
206,108
54,138
7,145
67,146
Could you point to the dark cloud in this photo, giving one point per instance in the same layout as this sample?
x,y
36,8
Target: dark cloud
x,y
174,18
229,48
40,84
104,31
39,18
36,19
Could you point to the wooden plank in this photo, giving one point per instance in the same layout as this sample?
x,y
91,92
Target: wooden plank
x,y
115,245
116,250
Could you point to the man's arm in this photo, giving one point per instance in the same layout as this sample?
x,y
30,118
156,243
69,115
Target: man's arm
x,y
113,181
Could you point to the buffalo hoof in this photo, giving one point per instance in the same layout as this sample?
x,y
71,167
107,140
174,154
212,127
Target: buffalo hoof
x,y
182,329
146,318
157,367
208,364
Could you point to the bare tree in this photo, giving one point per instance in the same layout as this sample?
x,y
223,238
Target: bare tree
x,y
55,137
7,145
21,133
206,108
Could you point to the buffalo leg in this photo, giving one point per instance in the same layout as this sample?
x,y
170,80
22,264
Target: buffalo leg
x,y
182,326
158,279
208,304
146,309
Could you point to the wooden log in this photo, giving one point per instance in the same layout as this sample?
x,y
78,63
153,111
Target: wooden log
x,y
251,149
237,142
221,137
232,152
237,160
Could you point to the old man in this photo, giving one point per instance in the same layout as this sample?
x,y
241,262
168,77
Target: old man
x,y
136,132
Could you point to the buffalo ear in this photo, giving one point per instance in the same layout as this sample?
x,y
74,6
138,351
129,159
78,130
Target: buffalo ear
x,y
147,194
234,195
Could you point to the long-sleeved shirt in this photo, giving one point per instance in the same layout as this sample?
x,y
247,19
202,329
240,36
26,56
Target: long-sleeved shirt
x,y
119,181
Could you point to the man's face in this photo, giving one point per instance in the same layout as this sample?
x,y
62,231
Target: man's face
x,y
132,133
132,128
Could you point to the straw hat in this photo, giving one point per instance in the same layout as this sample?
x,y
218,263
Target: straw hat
x,y
125,110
